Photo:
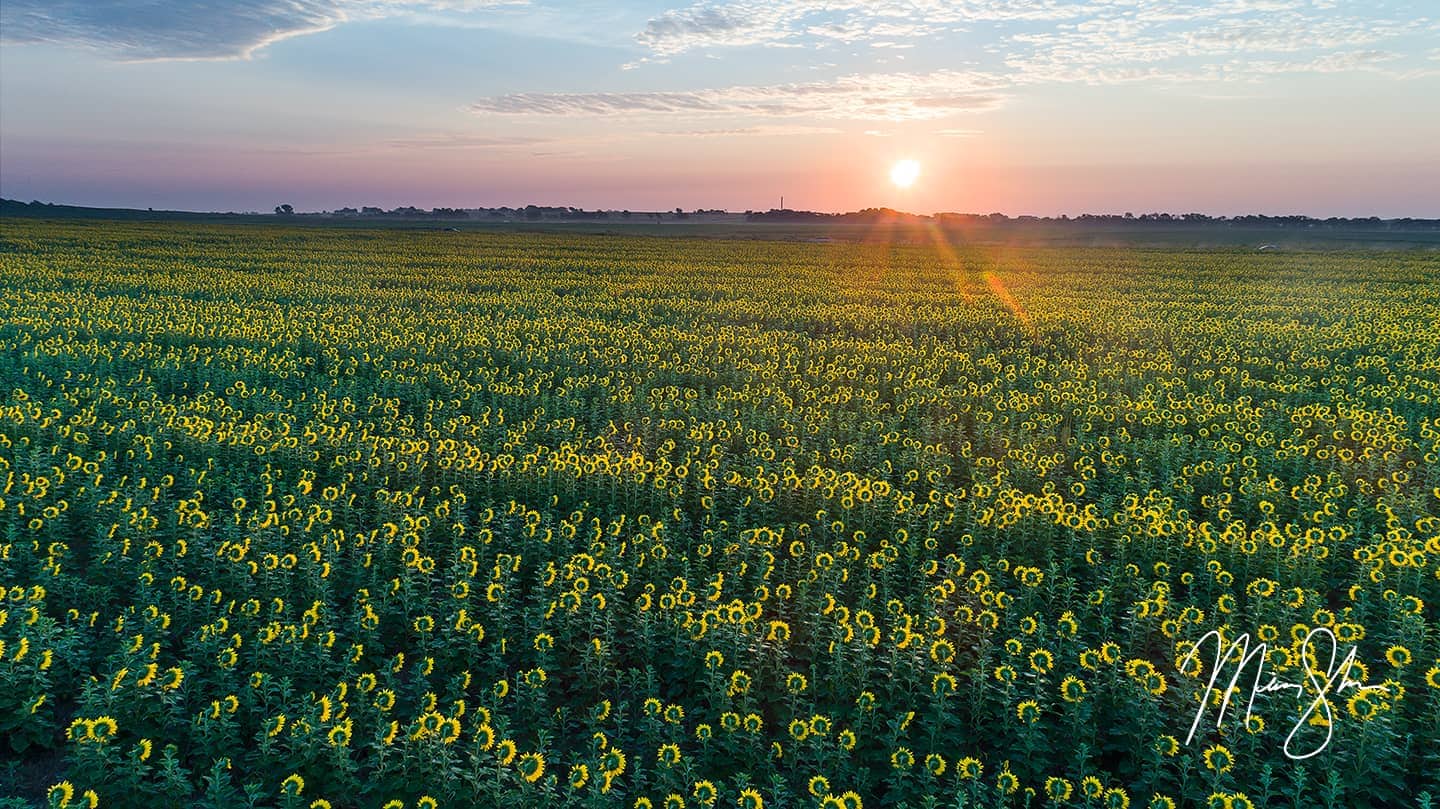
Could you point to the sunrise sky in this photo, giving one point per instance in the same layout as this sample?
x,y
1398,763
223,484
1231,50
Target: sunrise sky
x,y
1033,107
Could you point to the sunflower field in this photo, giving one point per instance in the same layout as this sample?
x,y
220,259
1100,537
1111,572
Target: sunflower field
x,y
300,517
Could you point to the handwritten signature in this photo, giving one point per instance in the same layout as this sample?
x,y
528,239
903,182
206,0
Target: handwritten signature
x,y
1336,676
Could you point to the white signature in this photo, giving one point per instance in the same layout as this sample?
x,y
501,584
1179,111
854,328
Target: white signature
x,y
1246,655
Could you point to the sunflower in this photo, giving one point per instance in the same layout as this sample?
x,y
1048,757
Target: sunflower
x,y
1218,758
1006,781
935,764
1398,656
105,729
579,775
1361,706
531,766
796,683
339,736
942,651
739,682
613,762
942,684
62,793
798,729
1041,661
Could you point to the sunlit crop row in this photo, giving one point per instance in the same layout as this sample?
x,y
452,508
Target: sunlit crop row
x,y
305,518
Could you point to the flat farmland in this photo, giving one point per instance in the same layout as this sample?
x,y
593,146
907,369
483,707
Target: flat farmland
x,y
395,518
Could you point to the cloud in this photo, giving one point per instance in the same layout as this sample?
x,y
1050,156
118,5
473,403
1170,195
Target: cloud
x,y
676,31
887,97
183,29
460,141
959,133
1143,40
763,131
1096,41
1374,60
755,22
1224,50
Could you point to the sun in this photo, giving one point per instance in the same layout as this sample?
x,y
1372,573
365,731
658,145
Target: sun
x,y
904,173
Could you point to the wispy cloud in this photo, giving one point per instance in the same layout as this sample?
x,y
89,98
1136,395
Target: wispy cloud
x,y
680,30
763,131
1096,41
461,141
888,96
185,29
1151,46
1376,61
755,22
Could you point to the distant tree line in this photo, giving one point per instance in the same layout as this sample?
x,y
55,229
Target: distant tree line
x,y
864,217
870,216
528,212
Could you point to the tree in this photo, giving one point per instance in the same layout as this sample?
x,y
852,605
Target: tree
x,y
285,210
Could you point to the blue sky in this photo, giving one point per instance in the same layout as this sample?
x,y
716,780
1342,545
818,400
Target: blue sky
x,y
1039,106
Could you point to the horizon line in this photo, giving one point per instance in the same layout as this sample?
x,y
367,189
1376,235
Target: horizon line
x,y
412,210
